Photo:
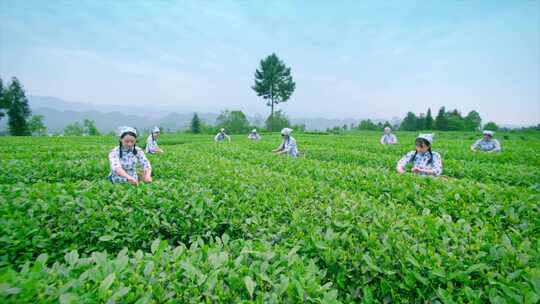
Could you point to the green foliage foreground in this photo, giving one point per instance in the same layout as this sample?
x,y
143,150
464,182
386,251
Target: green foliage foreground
x,y
231,223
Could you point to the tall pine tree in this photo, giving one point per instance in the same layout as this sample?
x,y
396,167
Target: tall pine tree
x,y
18,109
274,82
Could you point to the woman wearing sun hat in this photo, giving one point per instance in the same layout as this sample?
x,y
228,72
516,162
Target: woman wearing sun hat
x,y
124,158
487,143
151,142
423,160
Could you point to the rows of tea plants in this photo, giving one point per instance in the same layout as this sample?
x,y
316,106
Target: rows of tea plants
x,y
233,223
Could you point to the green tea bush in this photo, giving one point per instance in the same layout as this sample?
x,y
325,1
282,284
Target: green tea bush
x,y
338,223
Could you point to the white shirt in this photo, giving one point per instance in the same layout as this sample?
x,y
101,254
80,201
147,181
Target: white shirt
x,y
487,145
388,139
151,144
128,162
289,146
221,136
423,160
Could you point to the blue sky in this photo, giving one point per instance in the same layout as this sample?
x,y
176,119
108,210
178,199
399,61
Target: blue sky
x,y
358,59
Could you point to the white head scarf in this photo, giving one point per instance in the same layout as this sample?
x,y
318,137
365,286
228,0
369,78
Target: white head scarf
x,y
387,130
488,132
286,131
125,129
155,130
428,137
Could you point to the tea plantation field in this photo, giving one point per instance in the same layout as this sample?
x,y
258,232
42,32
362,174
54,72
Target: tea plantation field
x,y
232,223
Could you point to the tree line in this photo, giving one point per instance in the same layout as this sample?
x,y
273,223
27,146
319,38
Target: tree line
x,y
444,121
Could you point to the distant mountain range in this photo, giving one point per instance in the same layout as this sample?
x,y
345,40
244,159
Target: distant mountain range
x,y
59,113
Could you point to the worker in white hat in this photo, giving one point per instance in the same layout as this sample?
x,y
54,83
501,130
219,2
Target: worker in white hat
x,y
487,143
151,142
388,138
253,135
423,160
221,136
124,159
288,145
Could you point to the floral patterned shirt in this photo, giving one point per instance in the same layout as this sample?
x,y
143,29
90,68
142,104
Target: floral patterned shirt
x,y
128,162
151,144
289,146
221,137
487,145
388,139
421,160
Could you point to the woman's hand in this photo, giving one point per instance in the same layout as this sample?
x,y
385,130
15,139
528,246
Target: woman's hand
x,y
422,170
400,170
122,173
132,181
147,177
